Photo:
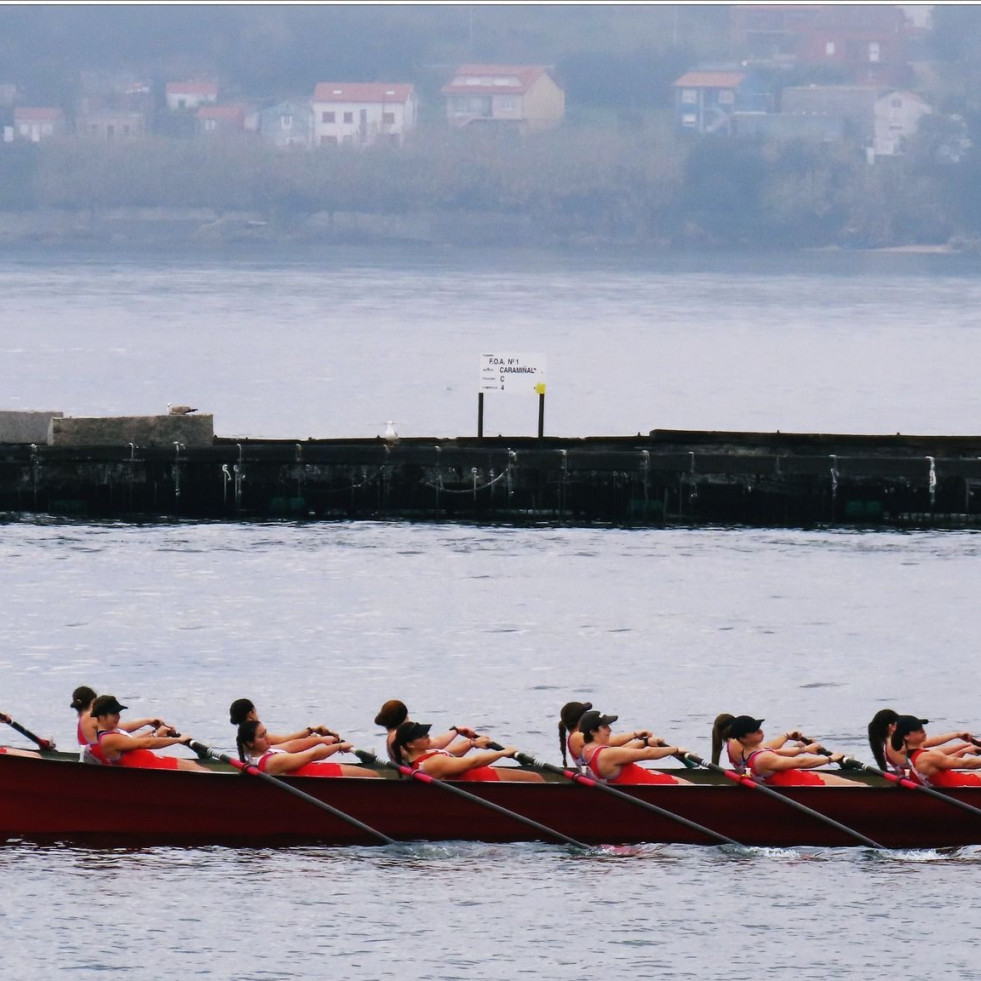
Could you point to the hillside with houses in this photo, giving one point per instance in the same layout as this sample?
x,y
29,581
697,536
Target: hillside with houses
x,y
750,125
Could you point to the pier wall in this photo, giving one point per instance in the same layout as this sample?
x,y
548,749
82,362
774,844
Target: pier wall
x,y
666,477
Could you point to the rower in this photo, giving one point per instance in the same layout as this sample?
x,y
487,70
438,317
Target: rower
x,y
895,759
413,746
618,764
116,747
770,767
243,710
393,713
254,747
934,767
87,728
779,744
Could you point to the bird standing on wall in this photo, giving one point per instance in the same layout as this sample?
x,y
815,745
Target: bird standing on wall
x,y
180,410
390,434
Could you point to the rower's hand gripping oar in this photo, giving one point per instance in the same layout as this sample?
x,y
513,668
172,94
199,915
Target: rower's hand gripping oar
x,y
852,764
41,742
525,760
204,750
452,788
746,781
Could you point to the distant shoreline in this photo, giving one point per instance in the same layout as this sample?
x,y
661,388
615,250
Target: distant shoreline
x,y
207,228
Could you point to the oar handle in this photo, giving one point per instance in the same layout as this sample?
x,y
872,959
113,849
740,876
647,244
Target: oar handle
x,y
41,742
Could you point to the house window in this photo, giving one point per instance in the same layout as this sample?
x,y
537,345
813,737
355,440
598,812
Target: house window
x,y
726,97
327,117
829,49
328,140
507,105
349,117
125,129
182,103
285,122
689,96
873,50
388,118
688,120
209,124
896,103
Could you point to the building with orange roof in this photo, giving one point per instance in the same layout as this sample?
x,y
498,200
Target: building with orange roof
x,y
37,123
362,113
191,94
522,95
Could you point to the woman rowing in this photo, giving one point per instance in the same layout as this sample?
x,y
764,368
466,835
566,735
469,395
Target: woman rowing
x,y
87,727
768,766
243,710
619,764
306,759
394,713
571,738
937,766
894,759
115,746
413,747
720,738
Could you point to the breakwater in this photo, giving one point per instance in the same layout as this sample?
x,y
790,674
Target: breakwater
x,y
664,477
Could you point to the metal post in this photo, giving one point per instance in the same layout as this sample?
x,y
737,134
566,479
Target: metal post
x,y
480,415
541,414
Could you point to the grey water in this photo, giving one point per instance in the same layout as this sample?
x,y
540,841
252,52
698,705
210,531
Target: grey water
x,y
495,627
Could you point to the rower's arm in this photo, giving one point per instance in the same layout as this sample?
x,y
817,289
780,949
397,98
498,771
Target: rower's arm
x,y
453,766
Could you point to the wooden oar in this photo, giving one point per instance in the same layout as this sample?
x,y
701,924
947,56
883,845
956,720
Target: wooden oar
x,y
42,743
531,761
202,749
854,764
745,781
452,788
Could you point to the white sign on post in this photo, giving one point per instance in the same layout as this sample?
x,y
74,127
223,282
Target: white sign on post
x,y
521,374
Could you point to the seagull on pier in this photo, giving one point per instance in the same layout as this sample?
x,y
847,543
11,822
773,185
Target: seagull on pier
x,y
180,410
391,435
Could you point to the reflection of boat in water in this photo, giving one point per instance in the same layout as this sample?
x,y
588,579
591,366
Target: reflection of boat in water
x,y
55,798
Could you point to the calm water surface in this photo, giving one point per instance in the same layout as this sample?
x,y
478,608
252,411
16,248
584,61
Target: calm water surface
x,y
492,626
497,627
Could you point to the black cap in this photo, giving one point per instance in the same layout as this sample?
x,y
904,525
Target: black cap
x,y
743,725
106,705
592,720
906,724
409,732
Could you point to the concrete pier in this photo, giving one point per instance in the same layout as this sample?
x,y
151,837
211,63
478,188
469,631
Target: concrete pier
x,y
665,477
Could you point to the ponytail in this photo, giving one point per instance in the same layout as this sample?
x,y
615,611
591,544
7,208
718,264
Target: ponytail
x,y
719,728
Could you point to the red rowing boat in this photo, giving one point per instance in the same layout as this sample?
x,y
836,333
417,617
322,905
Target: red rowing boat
x,y
55,798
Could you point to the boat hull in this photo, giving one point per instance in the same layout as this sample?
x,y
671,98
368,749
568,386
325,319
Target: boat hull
x,y
59,800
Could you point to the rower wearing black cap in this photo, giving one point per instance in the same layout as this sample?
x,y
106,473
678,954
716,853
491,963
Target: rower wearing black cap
x,y
571,739
116,747
412,746
894,758
394,712
612,763
934,767
779,744
768,766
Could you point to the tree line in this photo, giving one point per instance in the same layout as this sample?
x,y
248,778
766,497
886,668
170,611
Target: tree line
x,y
639,182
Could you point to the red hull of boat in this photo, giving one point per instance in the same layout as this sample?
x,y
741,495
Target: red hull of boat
x,y
46,800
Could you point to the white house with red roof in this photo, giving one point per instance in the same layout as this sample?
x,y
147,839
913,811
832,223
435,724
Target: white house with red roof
x,y
362,113
191,94
524,95
37,123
